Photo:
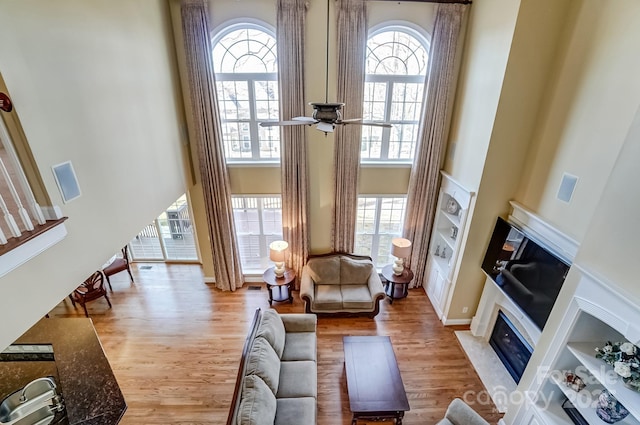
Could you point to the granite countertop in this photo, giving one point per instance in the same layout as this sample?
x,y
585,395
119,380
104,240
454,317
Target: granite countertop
x,y
87,383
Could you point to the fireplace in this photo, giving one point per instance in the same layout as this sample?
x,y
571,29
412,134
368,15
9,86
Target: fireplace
x,y
510,346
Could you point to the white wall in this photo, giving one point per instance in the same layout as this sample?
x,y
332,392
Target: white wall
x,y
94,83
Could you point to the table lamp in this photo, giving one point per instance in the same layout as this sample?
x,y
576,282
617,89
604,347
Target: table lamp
x,y
277,251
400,248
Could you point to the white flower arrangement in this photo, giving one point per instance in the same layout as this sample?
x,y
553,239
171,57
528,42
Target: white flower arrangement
x,y
625,359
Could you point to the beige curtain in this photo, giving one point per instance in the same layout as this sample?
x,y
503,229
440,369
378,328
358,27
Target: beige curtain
x,y
290,29
425,174
206,120
352,42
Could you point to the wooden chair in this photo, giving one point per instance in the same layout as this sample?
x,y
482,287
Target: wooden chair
x,y
118,265
91,289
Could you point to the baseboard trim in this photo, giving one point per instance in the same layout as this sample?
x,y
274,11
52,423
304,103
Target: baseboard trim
x,y
456,322
209,279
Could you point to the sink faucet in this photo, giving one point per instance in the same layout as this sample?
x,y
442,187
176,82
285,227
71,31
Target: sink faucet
x,y
23,396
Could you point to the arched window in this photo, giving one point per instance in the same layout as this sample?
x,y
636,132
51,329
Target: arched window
x,y
396,68
246,69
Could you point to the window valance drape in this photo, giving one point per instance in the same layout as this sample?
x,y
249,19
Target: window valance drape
x,y
290,36
424,182
212,165
352,42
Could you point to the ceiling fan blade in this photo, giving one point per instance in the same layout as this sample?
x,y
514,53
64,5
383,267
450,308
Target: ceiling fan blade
x,y
352,120
325,126
308,120
369,123
283,123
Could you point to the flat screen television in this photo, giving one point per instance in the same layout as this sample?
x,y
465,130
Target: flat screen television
x,y
529,273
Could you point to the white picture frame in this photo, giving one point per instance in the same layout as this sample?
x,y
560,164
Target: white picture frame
x,y
67,181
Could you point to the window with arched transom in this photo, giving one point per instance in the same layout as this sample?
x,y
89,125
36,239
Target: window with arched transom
x,y
396,68
246,70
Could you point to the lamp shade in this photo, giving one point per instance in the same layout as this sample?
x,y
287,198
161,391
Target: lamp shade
x,y
277,251
400,247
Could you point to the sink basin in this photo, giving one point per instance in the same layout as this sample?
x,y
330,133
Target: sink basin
x,y
36,403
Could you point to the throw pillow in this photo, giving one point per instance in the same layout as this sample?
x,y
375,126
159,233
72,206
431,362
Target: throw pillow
x,y
258,405
272,329
354,271
325,270
265,363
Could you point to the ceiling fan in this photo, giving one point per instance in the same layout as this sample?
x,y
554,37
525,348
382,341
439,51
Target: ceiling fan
x,y
326,115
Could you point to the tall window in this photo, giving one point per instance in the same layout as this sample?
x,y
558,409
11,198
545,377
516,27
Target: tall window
x,y
258,223
396,67
246,69
379,219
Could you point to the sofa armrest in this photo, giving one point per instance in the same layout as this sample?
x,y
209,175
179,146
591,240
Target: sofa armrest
x,y
306,286
299,322
459,413
375,285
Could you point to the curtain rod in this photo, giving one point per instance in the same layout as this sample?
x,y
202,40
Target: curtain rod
x,y
427,1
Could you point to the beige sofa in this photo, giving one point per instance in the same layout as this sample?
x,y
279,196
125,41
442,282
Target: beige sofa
x,y
277,378
459,413
341,283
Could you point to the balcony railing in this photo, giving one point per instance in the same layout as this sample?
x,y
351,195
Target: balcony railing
x,y
22,220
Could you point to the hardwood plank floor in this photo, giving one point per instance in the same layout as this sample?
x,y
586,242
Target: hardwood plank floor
x,y
174,344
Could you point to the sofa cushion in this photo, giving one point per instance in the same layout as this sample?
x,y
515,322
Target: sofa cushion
x,y
298,379
265,363
272,329
296,411
325,270
328,297
300,346
356,296
258,405
354,272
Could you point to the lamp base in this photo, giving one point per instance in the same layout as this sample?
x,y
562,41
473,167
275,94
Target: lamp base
x,y
398,267
279,270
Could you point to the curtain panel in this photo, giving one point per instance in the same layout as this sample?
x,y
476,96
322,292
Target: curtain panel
x,y
352,43
290,37
424,182
212,165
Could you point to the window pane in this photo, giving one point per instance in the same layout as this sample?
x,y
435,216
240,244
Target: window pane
x,y
245,64
395,73
258,223
379,219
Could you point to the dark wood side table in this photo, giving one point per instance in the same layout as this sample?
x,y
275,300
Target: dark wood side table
x,y
401,280
284,284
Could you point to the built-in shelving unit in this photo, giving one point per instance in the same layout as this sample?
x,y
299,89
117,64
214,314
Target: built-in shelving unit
x,y
597,314
448,229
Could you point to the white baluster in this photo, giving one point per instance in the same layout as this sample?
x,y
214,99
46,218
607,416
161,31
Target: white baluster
x,y
8,218
36,211
22,213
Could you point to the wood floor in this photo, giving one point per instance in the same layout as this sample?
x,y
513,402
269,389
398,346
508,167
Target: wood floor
x,y
174,344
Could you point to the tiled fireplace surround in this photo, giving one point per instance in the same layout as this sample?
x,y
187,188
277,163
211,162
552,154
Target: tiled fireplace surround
x,y
476,342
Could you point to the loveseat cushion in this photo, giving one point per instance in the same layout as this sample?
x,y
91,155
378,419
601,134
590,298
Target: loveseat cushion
x,y
298,379
325,270
272,329
300,346
258,405
296,411
354,272
265,363
356,296
328,297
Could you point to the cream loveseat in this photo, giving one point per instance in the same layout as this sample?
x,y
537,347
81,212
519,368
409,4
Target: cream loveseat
x,y
459,413
277,377
341,283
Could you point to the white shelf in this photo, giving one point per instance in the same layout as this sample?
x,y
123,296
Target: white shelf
x,y
585,401
585,353
553,414
451,243
454,219
442,263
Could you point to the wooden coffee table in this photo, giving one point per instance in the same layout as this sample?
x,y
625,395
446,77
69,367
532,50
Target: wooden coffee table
x,y
374,383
